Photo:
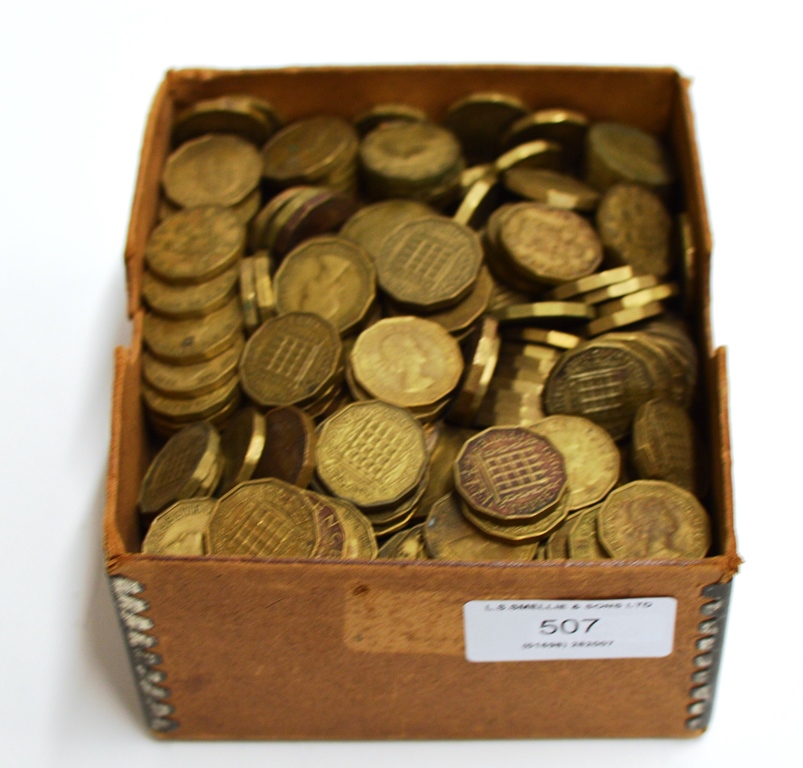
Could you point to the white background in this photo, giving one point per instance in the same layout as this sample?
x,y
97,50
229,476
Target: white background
x,y
77,82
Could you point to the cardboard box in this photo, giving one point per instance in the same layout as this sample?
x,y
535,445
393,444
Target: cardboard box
x,y
234,648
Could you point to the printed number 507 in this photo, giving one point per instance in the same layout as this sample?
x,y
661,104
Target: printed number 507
x,y
567,626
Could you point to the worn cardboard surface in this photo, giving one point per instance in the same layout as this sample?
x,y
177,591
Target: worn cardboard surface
x,y
229,648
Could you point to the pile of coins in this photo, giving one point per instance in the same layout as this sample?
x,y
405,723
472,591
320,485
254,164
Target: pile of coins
x,y
405,339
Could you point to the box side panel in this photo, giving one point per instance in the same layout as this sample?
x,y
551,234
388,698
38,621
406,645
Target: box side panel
x,y
269,650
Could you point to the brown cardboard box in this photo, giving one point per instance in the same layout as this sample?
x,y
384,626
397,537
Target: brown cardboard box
x,y
234,648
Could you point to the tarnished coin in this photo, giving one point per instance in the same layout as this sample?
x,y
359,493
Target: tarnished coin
x,y
216,169
405,545
544,311
510,474
266,297
182,410
195,245
557,544
550,338
635,229
590,283
388,112
371,225
262,224
179,530
618,152
532,154
557,190
290,359
242,442
480,120
449,536
332,534
624,318
429,263
263,518
360,541
371,453
479,201
660,292
245,116
289,452
549,245
653,519
407,361
328,276
183,301
619,289
565,127
522,533
591,456
180,467
584,542
248,295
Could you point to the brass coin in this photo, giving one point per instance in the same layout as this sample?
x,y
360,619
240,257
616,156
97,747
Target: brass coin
x,y
329,276
557,190
179,468
404,545
515,384
510,475
195,339
372,454
307,150
360,541
624,317
212,170
371,225
688,261
591,283
591,456
184,410
565,127
557,544
332,534
240,115
480,120
192,380
478,203
639,299
179,530
247,208
550,245
524,533
649,519
407,361
183,301
260,226
449,536
663,446
263,518
289,452
195,245
429,263
583,540
499,260
623,288
248,295
533,154
541,311
617,152
242,442
470,176
378,114
290,359
557,339
266,298
635,229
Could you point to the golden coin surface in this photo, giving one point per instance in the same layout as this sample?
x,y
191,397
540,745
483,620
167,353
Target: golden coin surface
x,y
590,283
532,154
429,263
618,152
472,175
242,442
179,530
479,201
195,244
248,295
449,536
192,380
378,114
289,452
290,359
550,245
522,533
591,456
557,339
212,170
240,115
663,446
360,541
371,225
263,518
653,519
583,539
194,339
462,316
557,190
332,534
181,410
183,301
480,120
179,468
543,310
635,229
405,545
328,276
260,227
407,361
624,317
622,288
307,150
371,453
510,474
266,297
565,127
639,299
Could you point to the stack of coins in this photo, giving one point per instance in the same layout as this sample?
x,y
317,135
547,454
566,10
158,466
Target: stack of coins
x,y
514,271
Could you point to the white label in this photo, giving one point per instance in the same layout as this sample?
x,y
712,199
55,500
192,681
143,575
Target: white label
x,y
548,630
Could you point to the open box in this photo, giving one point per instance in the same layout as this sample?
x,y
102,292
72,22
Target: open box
x,y
233,648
